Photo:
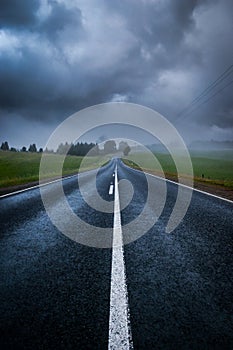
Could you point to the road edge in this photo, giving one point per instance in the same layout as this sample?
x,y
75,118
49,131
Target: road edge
x,y
179,184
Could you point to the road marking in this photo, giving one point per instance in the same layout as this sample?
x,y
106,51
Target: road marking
x,y
119,318
45,184
36,186
110,189
182,185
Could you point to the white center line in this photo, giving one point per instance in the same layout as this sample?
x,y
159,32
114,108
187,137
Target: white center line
x,y
111,189
119,319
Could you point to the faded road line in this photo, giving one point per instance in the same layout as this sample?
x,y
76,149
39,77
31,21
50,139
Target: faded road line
x,y
119,319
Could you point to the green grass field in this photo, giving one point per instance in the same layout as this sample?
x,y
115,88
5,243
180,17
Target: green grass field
x,y
216,166
19,168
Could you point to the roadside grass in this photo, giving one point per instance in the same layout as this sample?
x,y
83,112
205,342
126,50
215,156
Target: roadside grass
x,y
210,167
17,168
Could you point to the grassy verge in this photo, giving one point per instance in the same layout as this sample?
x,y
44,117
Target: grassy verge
x,y
22,168
210,168
17,168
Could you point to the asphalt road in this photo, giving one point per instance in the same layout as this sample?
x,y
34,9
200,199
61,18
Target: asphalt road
x,y
55,293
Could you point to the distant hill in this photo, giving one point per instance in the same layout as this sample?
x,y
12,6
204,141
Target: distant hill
x,y
211,145
193,146
157,148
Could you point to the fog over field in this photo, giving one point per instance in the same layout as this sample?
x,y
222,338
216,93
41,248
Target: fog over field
x,y
57,57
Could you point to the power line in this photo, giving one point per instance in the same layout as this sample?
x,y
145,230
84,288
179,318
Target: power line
x,y
223,76
217,92
205,101
206,91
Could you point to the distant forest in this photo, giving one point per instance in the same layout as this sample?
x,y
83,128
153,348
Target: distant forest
x,y
32,148
78,149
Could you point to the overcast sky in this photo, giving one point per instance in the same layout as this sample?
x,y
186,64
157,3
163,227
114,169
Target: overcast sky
x,y
57,57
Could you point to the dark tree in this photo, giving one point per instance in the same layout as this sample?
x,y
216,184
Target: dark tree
x,y
13,149
126,150
23,149
79,149
5,146
41,150
48,150
32,148
94,151
110,146
63,148
124,147
82,149
72,150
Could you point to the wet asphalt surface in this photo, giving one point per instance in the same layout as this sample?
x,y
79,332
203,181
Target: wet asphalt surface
x,y
55,293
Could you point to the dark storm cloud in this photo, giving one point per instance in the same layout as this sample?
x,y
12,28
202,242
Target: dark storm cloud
x,y
162,21
32,82
15,13
59,18
57,57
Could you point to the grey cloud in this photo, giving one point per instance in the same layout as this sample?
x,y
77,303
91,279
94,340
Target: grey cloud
x,y
158,53
15,13
158,22
59,18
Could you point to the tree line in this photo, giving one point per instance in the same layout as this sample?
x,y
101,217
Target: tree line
x,y
92,149
78,149
32,148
